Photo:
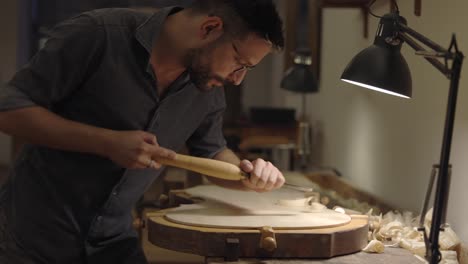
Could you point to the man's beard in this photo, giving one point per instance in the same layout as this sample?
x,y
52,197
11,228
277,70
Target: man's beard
x,y
201,74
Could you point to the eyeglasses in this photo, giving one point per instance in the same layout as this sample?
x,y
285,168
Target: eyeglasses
x,y
242,66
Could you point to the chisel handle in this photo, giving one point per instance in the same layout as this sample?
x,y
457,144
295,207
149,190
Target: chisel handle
x,y
215,168
209,167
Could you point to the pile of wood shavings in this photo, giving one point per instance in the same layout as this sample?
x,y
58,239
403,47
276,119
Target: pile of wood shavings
x,y
396,229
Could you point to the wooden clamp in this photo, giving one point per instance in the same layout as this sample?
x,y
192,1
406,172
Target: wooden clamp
x,y
232,250
267,239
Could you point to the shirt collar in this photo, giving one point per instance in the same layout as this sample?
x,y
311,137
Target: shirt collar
x,y
148,32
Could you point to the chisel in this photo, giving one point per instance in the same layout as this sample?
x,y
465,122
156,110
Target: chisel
x,y
215,168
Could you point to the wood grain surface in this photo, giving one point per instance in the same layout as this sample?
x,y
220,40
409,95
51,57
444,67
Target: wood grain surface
x,y
240,209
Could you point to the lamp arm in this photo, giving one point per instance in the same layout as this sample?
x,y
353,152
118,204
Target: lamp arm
x,y
404,28
409,35
443,180
418,48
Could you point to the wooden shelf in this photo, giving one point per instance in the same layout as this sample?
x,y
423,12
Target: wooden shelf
x,y
363,5
345,3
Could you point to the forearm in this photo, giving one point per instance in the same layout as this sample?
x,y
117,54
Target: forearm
x,y
38,125
228,156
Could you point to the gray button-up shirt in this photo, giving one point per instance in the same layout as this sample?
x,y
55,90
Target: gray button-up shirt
x,y
63,206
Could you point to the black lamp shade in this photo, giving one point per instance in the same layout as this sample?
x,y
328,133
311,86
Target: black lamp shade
x,y
382,69
299,78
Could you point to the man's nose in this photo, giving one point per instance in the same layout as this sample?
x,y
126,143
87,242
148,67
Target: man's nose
x,y
237,77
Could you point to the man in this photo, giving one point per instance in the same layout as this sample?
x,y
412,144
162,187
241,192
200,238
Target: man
x,y
112,91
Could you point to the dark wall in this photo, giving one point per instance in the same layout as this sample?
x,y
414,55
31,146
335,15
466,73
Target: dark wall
x,y
37,16
52,11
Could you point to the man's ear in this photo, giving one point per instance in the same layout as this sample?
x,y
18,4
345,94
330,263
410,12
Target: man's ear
x,y
211,29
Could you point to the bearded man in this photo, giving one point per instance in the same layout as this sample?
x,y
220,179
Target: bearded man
x,y
112,91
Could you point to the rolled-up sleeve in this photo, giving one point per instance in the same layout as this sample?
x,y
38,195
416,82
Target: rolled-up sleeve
x,y
58,69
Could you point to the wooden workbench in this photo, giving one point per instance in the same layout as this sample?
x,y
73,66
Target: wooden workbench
x,y
390,256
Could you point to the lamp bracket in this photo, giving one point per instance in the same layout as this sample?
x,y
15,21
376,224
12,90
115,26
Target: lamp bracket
x,y
394,41
427,242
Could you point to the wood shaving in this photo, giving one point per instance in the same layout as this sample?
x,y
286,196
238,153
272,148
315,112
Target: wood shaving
x,y
374,246
396,229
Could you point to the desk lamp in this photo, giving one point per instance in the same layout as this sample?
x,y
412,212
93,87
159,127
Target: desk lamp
x,y
300,79
381,67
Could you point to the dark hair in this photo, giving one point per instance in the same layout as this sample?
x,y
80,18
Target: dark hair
x,y
243,16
